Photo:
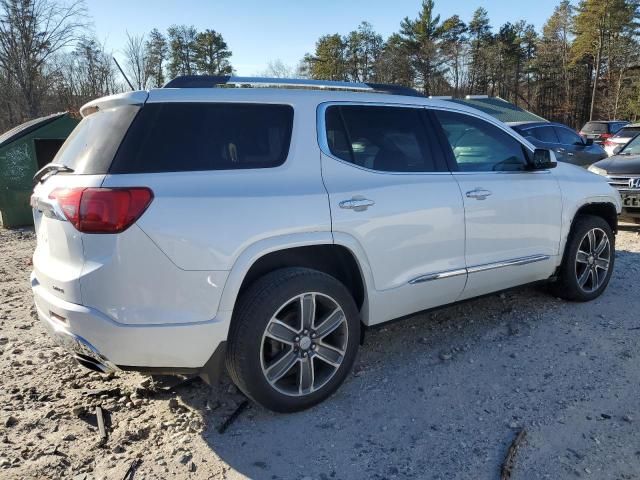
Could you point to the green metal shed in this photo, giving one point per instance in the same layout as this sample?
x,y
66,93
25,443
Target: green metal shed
x,y
23,151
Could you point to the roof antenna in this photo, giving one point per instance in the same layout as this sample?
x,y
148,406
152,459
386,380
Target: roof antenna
x,y
122,72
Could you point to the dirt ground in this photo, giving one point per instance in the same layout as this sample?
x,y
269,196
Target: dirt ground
x,y
438,396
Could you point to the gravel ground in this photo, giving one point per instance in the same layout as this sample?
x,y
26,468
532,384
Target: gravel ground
x,y
441,395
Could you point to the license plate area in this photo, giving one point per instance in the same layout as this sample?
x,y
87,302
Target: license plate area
x,y
631,200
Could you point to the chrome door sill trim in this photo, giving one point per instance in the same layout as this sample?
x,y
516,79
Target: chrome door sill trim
x,y
508,263
479,268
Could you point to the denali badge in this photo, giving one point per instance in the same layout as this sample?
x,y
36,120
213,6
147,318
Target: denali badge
x,y
634,183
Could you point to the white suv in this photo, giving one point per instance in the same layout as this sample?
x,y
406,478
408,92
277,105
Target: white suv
x,y
264,227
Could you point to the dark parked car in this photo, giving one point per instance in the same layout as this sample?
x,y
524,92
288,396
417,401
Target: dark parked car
x,y
623,173
599,131
568,145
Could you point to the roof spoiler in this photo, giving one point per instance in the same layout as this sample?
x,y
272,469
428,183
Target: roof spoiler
x,y
128,98
211,81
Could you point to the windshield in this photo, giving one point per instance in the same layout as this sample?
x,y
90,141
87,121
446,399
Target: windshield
x,y
632,148
93,143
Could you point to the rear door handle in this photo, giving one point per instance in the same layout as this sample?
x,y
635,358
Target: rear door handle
x,y
357,203
478,193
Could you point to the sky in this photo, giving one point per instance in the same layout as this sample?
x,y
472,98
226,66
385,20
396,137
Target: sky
x,y
258,32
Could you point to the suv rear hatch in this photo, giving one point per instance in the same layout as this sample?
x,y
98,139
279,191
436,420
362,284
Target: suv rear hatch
x,y
83,161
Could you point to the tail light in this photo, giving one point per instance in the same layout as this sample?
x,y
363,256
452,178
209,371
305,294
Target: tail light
x,y
609,143
102,210
604,136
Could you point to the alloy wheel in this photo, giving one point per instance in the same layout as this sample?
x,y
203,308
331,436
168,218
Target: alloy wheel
x,y
592,260
304,344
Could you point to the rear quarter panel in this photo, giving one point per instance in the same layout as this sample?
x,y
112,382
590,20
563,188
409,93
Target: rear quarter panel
x,y
204,220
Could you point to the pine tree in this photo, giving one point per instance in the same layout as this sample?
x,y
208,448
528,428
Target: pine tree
x,y
454,38
480,33
422,38
211,54
157,51
182,40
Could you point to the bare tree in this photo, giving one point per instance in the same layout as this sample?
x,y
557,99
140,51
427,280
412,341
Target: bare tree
x,y
137,60
278,69
30,32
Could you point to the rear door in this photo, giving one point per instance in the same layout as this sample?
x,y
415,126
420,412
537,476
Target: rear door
x,y
391,193
513,215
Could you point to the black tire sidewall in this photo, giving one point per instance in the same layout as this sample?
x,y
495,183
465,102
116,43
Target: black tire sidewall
x,y
569,287
256,307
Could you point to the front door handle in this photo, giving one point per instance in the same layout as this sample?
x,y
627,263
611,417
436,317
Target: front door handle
x,y
357,203
478,193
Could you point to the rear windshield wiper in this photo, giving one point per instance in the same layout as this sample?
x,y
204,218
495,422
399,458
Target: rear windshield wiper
x,y
48,170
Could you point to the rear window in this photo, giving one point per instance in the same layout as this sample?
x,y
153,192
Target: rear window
x,y
628,132
596,127
179,137
93,143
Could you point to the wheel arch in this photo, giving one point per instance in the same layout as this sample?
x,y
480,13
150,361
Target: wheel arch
x,y
600,208
317,251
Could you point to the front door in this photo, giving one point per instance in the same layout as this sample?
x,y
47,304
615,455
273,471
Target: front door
x,y
513,215
391,194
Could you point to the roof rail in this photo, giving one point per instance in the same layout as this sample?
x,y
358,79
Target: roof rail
x,y
210,81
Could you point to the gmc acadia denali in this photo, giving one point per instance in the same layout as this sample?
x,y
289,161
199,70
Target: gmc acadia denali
x,y
261,224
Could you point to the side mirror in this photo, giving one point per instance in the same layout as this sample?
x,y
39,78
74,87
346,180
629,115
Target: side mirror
x,y
617,149
588,142
543,159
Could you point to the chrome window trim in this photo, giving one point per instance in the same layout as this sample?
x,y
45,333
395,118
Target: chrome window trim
x,y
479,268
321,134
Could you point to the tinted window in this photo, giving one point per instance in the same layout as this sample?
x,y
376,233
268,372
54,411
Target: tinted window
x,y
170,137
479,146
388,139
632,148
628,132
595,127
545,134
568,137
93,143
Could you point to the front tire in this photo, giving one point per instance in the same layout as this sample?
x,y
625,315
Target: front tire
x,y
588,261
293,339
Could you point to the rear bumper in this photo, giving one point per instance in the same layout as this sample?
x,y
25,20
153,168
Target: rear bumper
x,y
98,342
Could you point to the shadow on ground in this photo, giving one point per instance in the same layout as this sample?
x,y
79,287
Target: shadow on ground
x,y
442,395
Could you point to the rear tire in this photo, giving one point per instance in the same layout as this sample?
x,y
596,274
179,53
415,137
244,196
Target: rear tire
x,y
588,260
293,339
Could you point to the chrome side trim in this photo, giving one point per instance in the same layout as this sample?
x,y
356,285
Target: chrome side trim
x,y
438,276
508,263
479,268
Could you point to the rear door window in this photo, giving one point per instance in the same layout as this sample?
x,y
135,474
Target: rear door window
x,y
182,137
387,139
